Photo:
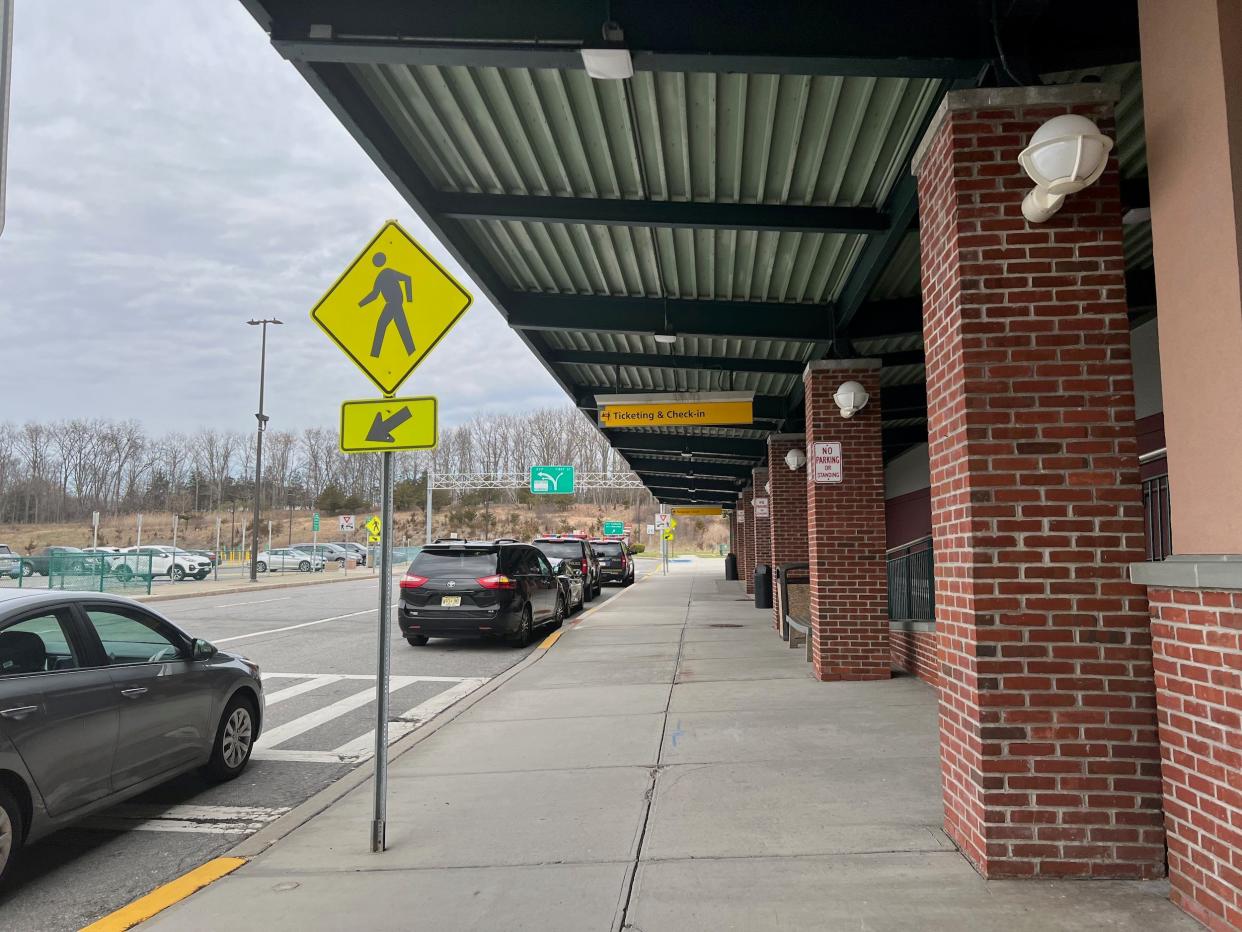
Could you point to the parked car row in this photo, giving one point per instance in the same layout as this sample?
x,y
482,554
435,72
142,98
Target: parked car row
x,y
505,588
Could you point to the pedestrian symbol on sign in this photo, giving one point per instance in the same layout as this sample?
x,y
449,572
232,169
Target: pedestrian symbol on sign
x,y
395,288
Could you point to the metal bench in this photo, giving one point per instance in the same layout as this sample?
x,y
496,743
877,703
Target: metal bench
x,y
794,591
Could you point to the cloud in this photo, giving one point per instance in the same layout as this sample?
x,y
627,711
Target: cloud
x,y
166,186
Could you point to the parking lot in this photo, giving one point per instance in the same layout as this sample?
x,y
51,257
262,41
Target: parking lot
x,y
316,646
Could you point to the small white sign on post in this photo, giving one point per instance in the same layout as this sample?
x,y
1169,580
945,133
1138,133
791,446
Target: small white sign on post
x,y
826,462
662,520
347,524
741,516
761,508
650,530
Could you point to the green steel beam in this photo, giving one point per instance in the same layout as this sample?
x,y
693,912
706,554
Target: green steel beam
x,y
676,444
698,215
672,361
615,314
948,38
679,467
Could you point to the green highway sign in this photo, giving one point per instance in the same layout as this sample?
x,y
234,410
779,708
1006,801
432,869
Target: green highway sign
x,y
315,521
552,480
614,528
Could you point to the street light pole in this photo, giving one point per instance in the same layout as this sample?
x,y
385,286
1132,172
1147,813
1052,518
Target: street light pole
x,y
258,446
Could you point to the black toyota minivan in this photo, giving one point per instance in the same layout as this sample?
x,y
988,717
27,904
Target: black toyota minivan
x,y
471,589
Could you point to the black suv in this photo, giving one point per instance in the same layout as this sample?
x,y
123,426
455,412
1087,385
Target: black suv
x,y
615,563
575,550
497,588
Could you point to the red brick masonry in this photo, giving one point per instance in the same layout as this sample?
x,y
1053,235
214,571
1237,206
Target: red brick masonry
x,y
788,502
1197,640
914,651
849,572
1048,729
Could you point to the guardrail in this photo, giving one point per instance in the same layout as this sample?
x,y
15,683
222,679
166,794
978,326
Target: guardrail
x,y
911,582
1157,526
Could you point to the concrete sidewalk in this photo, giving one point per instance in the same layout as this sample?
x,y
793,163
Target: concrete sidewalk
x,y
668,765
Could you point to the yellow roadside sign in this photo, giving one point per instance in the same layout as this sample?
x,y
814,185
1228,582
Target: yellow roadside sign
x,y
669,535
672,413
702,510
374,526
388,424
390,307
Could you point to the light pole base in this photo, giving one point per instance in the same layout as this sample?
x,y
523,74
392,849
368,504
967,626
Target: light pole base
x,y
378,827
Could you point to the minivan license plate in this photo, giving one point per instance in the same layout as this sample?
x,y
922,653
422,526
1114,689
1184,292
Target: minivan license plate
x,y
452,601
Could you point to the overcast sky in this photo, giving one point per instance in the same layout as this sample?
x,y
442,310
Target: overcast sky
x,y
170,176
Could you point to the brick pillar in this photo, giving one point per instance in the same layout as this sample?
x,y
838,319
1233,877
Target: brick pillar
x,y
1047,723
745,526
762,530
845,523
787,526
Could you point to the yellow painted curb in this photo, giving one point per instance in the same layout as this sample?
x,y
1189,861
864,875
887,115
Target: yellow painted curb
x,y
163,897
550,640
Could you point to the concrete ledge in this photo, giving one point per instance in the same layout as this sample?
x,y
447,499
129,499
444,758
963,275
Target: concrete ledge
x,y
1011,98
924,627
772,437
1191,571
822,365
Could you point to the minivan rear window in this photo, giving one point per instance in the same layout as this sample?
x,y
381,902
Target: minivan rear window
x,y
457,563
561,550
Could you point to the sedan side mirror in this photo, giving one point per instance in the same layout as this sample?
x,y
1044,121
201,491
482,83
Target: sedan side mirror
x,y
202,650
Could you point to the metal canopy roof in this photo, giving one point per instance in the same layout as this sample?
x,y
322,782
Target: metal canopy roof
x,y
748,189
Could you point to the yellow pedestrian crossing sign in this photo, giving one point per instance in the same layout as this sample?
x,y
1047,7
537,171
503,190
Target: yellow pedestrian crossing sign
x,y
388,424
669,535
374,526
391,307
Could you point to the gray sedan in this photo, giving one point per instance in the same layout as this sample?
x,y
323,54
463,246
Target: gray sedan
x,y
102,699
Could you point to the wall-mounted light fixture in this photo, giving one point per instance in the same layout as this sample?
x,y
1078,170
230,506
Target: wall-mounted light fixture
x,y
851,398
795,459
1066,154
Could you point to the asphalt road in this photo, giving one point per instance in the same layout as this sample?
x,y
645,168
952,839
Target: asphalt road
x,y
316,647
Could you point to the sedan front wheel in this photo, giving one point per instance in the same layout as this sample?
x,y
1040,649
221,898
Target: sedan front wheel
x,y
234,740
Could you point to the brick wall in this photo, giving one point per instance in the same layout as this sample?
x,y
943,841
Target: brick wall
x,y
763,526
1048,739
845,523
914,651
746,534
787,527
1197,641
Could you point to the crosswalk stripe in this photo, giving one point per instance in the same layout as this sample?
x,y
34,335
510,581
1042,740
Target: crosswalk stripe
x,y
305,723
363,748
305,624
297,689
210,820
363,676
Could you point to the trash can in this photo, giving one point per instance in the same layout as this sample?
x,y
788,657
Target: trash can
x,y
731,566
763,586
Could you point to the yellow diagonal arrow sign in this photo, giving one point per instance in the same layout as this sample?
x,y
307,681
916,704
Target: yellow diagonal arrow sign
x,y
388,424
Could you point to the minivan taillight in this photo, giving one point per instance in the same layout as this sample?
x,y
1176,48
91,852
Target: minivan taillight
x,y
410,581
496,582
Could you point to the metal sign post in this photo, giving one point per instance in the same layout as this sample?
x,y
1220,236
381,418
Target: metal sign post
x,y
379,817
6,74
430,485
94,531
138,543
387,344
215,564
176,521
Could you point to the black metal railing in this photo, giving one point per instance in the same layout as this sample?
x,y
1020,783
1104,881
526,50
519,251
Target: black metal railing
x,y
1158,536
911,582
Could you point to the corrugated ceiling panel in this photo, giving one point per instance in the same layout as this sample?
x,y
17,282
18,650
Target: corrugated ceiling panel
x,y
703,136
608,379
578,258
1137,244
685,346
